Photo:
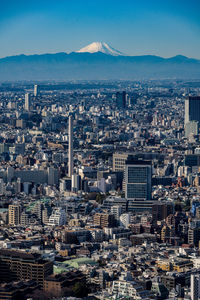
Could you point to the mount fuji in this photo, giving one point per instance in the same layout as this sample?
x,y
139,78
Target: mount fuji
x,y
97,61
100,47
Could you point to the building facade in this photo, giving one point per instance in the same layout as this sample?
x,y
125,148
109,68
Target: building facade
x,y
17,265
121,100
192,109
14,212
137,180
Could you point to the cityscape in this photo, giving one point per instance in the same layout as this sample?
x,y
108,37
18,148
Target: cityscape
x,y
99,168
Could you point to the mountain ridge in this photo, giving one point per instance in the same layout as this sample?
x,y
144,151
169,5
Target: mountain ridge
x,y
99,52
96,65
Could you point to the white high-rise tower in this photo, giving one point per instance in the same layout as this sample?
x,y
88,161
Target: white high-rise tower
x,y
27,102
70,155
195,286
36,90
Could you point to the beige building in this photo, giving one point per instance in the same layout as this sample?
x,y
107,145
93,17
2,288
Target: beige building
x,y
104,220
14,212
119,160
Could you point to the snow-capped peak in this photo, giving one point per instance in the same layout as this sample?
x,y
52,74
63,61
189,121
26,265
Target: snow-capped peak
x,y
100,47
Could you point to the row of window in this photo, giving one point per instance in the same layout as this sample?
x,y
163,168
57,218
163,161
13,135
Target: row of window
x,y
136,191
137,174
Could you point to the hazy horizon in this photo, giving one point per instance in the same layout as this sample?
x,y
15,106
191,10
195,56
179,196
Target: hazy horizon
x,y
76,51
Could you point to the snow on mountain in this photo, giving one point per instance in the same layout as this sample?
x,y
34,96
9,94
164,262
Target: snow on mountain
x,y
100,47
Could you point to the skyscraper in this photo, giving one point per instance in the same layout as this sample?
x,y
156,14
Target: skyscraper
x,y
195,286
27,102
36,90
192,109
121,99
70,154
76,183
53,176
137,176
138,179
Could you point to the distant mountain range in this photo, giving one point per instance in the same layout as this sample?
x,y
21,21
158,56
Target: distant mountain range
x,y
97,61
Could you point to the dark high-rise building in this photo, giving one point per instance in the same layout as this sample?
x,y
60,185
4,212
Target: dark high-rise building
x,y
138,179
192,115
138,175
121,99
18,265
192,109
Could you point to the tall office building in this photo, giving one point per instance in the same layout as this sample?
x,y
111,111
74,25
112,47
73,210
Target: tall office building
x,y
76,183
36,90
53,176
70,154
121,99
192,109
14,212
195,286
27,102
192,115
138,175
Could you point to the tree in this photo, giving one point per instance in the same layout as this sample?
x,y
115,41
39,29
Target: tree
x,y
100,198
80,290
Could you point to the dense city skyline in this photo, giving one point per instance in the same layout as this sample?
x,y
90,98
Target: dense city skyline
x,y
100,150
100,190
134,27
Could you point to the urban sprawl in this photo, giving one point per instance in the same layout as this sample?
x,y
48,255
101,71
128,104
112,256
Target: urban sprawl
x,y
100,190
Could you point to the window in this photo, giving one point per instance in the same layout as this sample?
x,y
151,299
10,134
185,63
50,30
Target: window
x,y
136,190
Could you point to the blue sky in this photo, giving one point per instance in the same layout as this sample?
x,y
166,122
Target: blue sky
x,y
135,27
